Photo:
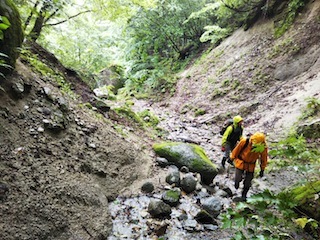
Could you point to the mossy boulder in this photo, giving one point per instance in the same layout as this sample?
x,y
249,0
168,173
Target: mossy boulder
x,y
172,197
12,36
189,155
310,130
307,197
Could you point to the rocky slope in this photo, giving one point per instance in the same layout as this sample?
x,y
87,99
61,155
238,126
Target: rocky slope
x,y
61,163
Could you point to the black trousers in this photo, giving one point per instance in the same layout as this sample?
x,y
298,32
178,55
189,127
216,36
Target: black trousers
x,y
247,177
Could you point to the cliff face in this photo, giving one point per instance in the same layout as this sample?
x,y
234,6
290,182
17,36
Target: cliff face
x,y
61,163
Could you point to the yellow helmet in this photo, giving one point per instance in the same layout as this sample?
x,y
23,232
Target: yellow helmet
x,y
237,119
258,137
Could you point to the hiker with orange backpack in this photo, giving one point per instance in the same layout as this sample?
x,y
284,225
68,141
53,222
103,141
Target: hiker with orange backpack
x,y
245,155
231,135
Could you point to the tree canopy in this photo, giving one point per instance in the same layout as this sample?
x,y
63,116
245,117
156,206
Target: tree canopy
x,y
145,38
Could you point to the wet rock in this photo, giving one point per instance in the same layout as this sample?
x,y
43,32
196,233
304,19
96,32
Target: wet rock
x,y
228,191
189,155
184,169
101,105
45,111
190,224
4,189
57,122
221,193
202,194
48,92
63,104
238,199
205,218
147,187
18,89
211,227
173,178
172,197
102,92
161,229
159,209
212,205
162,162
188,183
3,114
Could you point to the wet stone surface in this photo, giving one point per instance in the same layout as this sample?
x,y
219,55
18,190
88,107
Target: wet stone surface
x,y
131,220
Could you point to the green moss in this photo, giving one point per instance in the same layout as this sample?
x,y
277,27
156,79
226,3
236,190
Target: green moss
x,y
306,192
198,160
286,22
85,105
164,150
173,194
46,71
200,112
13,36
204,158
126,111
149,118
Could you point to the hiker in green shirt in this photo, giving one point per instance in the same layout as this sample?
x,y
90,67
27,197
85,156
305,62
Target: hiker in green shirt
x,y
231,136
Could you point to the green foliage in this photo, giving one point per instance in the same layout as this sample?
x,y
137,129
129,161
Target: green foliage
x,y
304,199
312,108
126,111
285,46
156,42
258,147
200,112
149,118
3,64
173,194
294,148
4,24
46,71
305,192
212,33
293,8
263,216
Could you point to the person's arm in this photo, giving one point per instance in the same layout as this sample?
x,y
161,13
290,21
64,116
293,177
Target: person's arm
x,y
264,159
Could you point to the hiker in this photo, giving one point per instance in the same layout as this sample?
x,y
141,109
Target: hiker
x,y
245,155
231,136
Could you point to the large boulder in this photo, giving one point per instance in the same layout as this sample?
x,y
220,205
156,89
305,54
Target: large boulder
x,y
12,36
111,77
189,155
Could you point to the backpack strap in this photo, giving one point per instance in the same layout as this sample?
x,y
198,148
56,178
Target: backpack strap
x,y
244,147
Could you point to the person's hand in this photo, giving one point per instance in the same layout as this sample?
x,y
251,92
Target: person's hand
x,y
261,173
223,148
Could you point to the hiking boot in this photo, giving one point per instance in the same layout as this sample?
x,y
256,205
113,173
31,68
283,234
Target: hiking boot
x,y
243,199
223,162
244,194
